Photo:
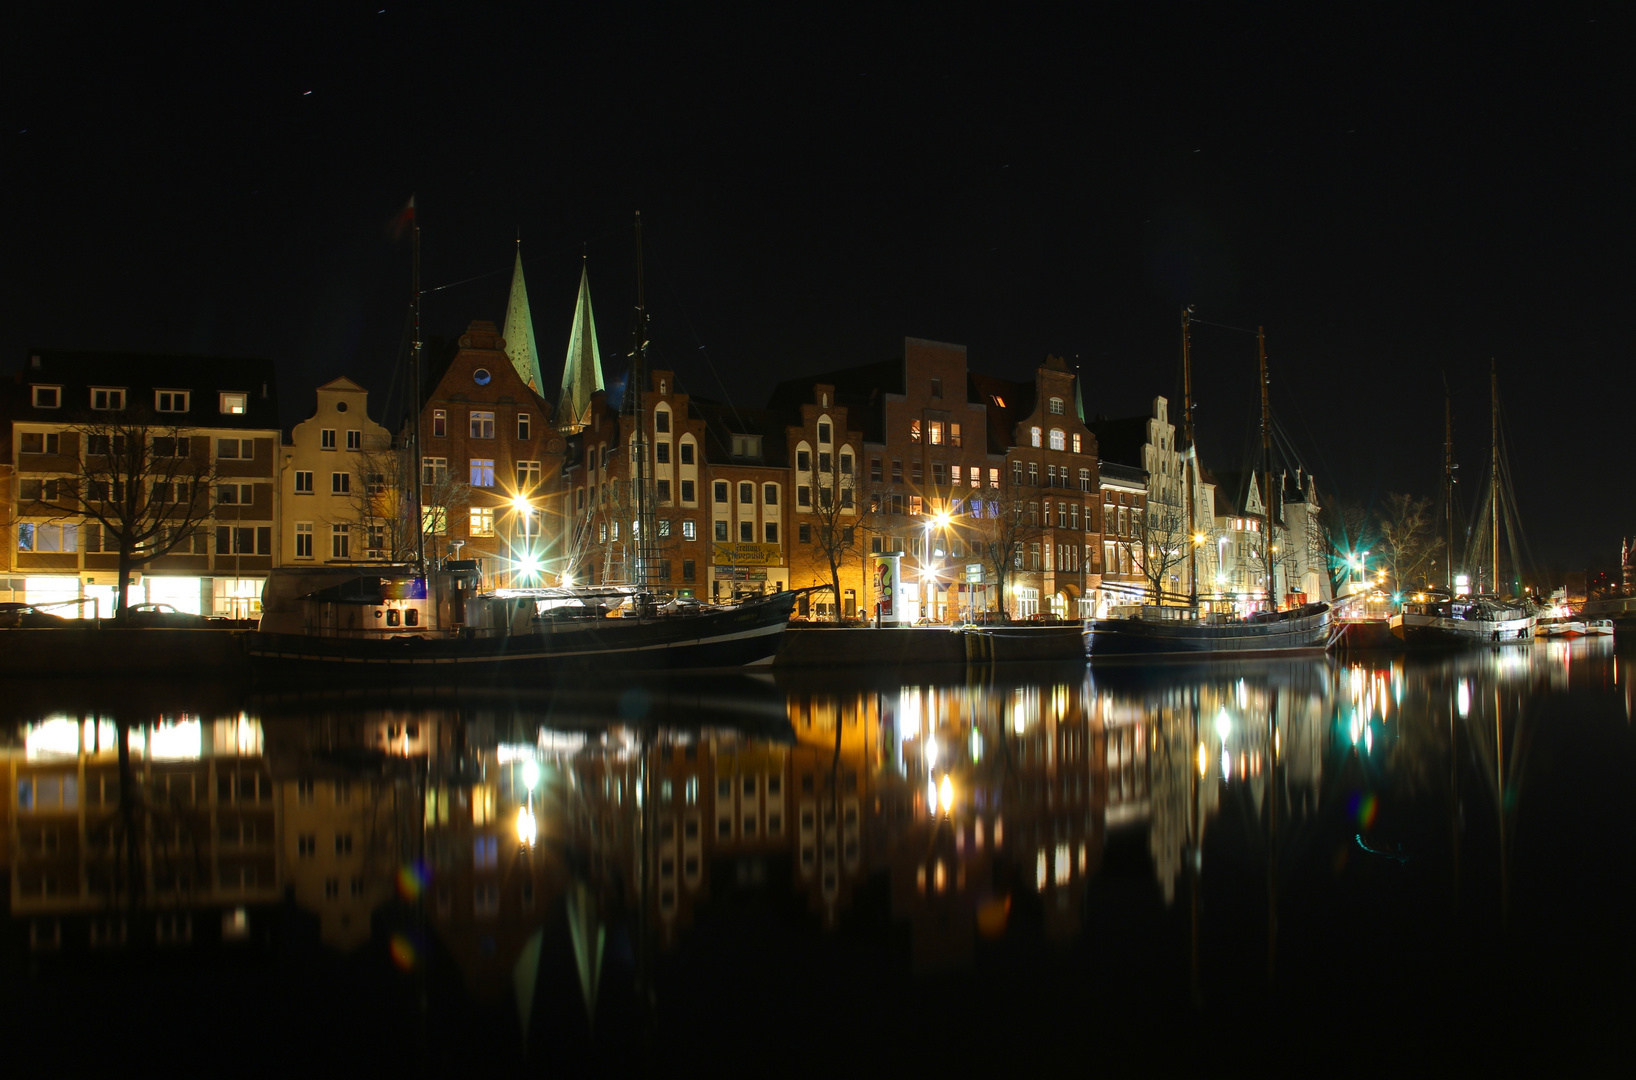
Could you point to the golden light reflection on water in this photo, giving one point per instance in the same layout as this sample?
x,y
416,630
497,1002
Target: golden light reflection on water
x,y
966,796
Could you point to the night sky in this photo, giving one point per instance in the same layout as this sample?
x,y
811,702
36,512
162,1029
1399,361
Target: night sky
x,y
1397,195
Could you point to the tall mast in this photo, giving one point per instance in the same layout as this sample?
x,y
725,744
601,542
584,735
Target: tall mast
x,y
1494,466
1187,462
639,442
1448,487
1266,465
416,405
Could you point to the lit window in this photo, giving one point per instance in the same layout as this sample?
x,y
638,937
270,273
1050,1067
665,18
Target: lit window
x,y
234,404
482,521
1056,406
954,434
914,431
1059,441
482,472
937,432
689,530
1034,436
1076,443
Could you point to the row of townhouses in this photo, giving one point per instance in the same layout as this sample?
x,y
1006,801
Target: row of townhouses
x,y
1000,494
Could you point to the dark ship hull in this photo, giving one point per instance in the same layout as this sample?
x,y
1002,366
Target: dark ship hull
x,y
714,638
1303,630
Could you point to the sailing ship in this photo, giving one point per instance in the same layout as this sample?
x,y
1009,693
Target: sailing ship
x,y
395,627
1159,630
1442,621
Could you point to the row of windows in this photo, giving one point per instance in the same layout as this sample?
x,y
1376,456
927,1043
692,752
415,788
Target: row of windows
x,y
803,461
480,425
53,538
1054,477
340,540
608,531
956,474
1058,438
326,439
164,446
113,399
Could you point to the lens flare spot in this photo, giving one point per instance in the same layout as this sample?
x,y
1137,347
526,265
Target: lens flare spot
x,y
1367,808
404,953
411,881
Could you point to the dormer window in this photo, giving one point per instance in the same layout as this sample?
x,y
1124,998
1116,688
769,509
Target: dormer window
x,y
234,404
746,446
106,399
999,402
172,401
48,397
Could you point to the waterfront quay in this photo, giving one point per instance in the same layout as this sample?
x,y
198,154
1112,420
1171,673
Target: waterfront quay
x,y
1359,860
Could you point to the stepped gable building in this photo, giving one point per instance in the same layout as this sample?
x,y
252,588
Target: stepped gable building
x,y
829,516
1300,565
1051,478
1149,443
213,417
719,483
340,483
925,440
490,460
1124,503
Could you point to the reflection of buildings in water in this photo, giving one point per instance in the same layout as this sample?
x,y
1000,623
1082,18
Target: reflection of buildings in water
x,y
188,856
1176,750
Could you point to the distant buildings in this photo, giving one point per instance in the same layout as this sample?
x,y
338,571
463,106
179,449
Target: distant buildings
x,y
997,493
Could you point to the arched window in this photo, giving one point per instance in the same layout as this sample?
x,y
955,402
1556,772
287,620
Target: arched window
x,y
1059,441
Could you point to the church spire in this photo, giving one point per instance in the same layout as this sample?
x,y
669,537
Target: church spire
x,y
582,371
519,330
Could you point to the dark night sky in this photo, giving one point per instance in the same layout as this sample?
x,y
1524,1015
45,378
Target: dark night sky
x,y
1395,195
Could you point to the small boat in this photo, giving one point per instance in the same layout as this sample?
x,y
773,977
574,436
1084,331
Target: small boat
x,y
1598,627
1443,623
1179,631
1560,627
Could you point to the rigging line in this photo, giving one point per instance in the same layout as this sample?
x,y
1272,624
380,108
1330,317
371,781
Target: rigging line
x,y
532,259
705,352
1196,321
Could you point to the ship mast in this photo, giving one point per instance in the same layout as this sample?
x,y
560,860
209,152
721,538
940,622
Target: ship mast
x,y
416,407
634,392
1187,462
1448,487
1494,466
1266,465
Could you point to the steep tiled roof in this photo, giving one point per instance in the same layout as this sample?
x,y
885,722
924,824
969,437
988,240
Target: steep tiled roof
x,y
140,374
1009,404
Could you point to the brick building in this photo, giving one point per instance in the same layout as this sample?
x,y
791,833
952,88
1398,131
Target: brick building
x,y
489,463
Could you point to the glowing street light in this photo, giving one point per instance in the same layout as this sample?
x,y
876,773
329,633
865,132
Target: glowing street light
x,y
527,828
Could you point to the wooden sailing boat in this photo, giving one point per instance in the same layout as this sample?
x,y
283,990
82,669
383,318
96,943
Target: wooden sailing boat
x,y
1159,631
1443,622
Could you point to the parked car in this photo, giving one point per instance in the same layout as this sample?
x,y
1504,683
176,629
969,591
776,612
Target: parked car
x,y
13,614
162,615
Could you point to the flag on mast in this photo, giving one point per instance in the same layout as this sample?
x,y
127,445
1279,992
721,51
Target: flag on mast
x,y
404,219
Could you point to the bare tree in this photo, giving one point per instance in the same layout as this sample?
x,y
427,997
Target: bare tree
x,y
380,505
145,487
838,519
1003,525
1164,541
1345,530
444,496
1411,539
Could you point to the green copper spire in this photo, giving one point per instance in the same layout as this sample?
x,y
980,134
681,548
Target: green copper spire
x,y
582,371
519,331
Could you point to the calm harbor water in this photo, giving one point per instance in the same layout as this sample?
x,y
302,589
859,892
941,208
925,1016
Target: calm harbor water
x,y
1329,864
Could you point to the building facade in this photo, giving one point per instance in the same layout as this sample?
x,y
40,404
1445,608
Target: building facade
x,y
489,464
212,422
342,486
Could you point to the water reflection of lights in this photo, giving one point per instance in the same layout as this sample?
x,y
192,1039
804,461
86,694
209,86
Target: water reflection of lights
x,y
1462,698
945,793
1224,724
527,827
1226,764
1204,760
